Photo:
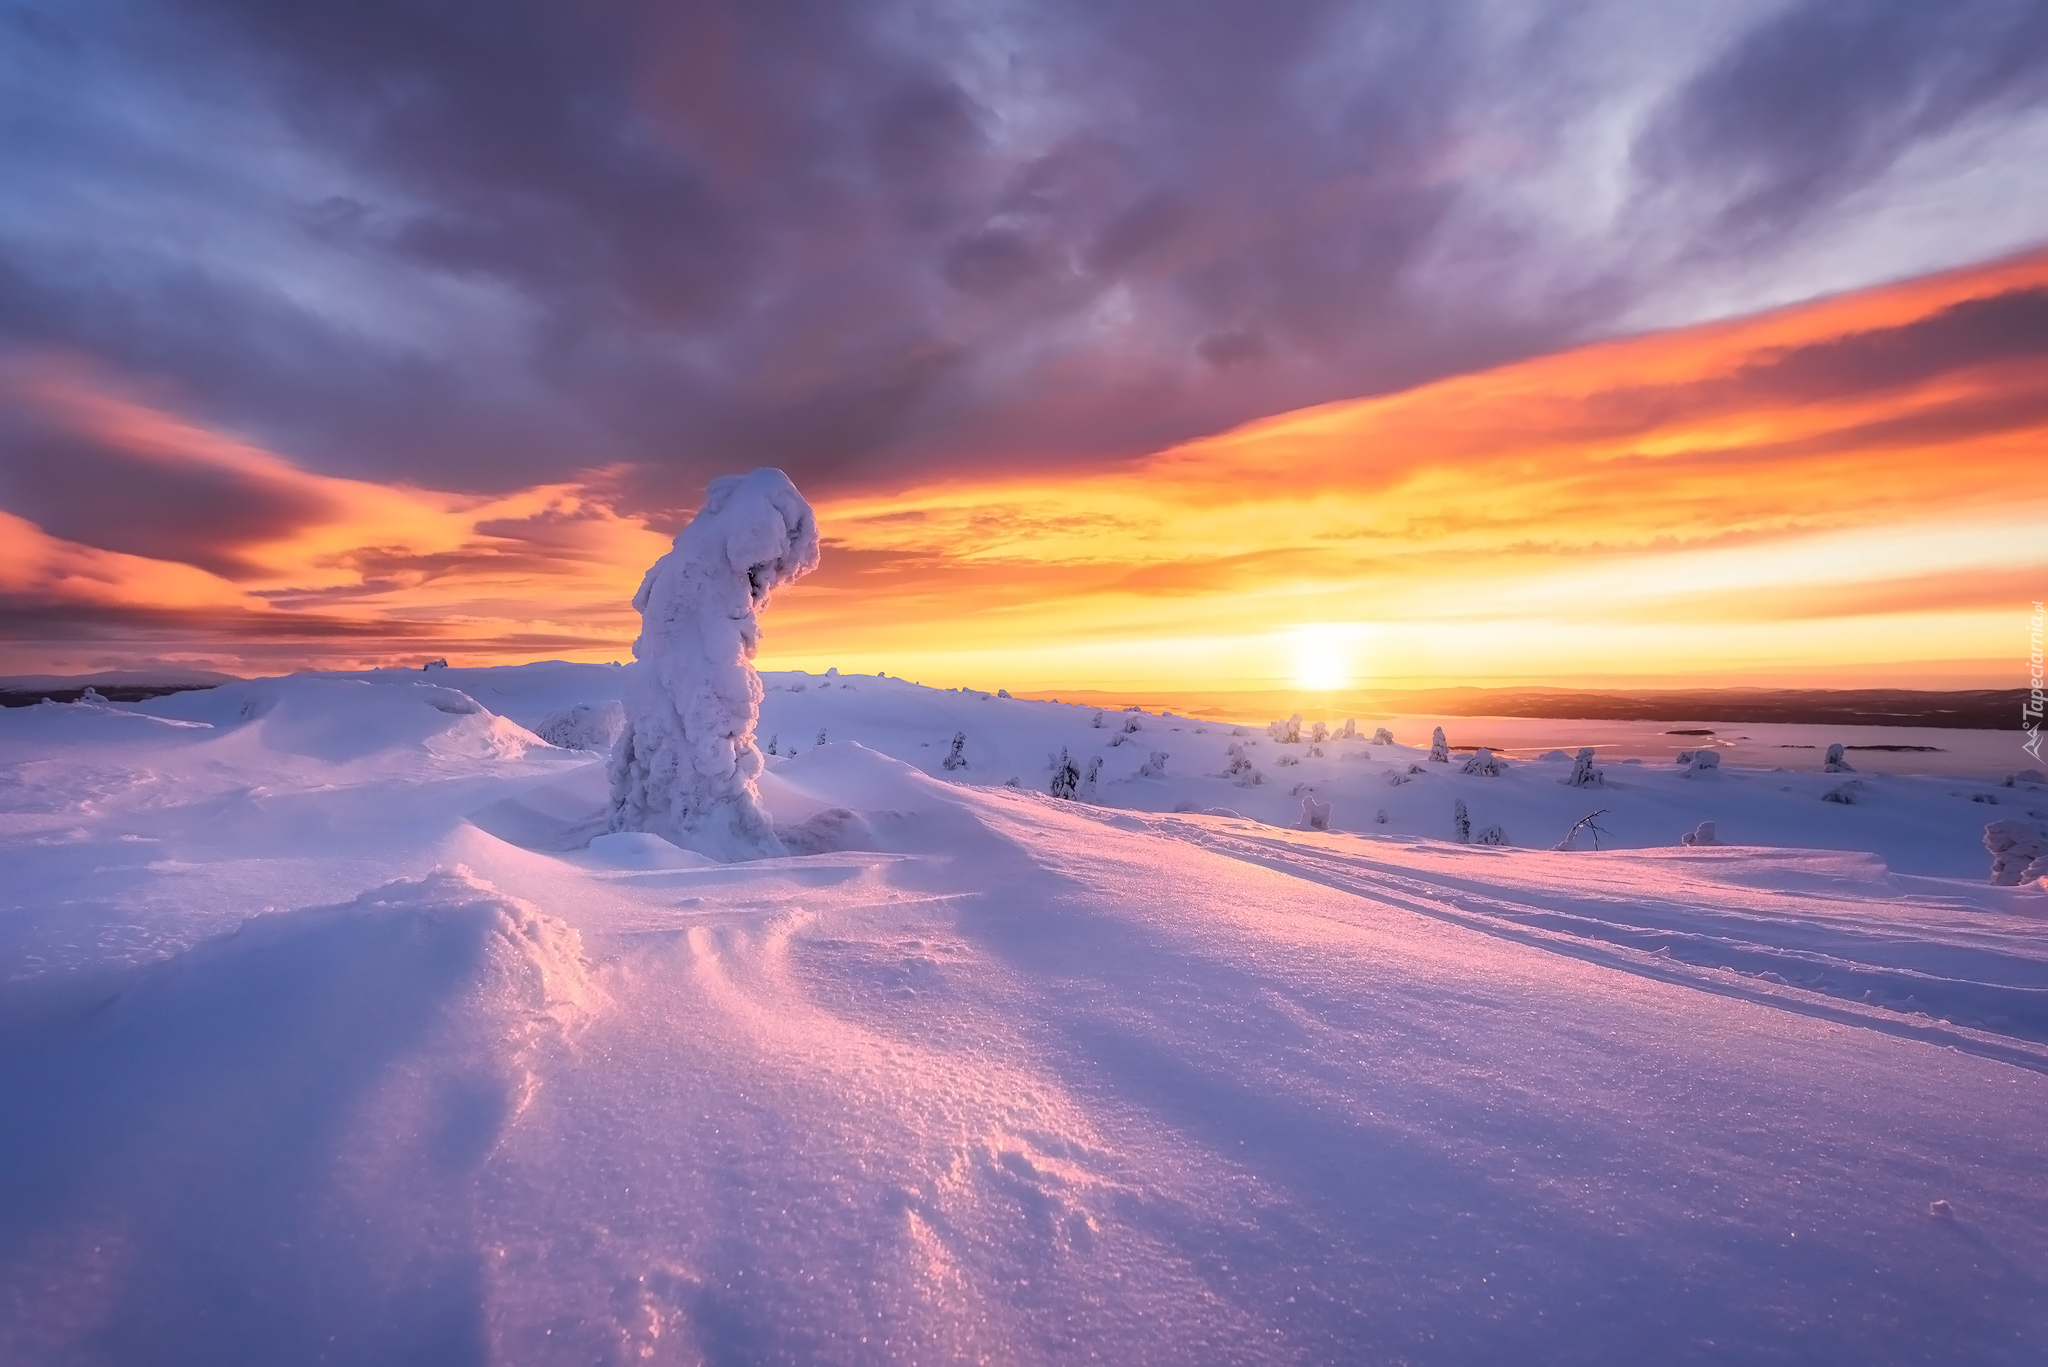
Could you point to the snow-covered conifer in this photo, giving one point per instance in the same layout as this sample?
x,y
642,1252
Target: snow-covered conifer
x,y
1492,835
1318,732
1583,774
1066,779
1094,776
1834,763
1155,767
1382,736
1099,722
955,758
1315,816
686,763
1380,817
1439,748
821,737
1461,822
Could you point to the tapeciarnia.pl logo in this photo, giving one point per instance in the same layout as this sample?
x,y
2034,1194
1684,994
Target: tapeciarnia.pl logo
x,y
2030,710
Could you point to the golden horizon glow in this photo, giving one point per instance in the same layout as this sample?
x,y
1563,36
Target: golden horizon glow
x,y
1730,502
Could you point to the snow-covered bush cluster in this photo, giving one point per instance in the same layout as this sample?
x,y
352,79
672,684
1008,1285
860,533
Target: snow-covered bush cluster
x,y
1483,764
686,764
1286,732
2019,852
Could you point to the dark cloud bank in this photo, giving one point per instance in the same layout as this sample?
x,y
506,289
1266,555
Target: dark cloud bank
x,y
482,243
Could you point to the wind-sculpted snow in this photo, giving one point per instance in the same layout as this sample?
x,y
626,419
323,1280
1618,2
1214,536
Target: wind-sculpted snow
x,y
974,1073
686,762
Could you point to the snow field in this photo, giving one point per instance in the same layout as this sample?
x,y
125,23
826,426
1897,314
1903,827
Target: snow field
x,y
330,1032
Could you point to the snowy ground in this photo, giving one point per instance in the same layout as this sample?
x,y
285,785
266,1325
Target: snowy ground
x,y
327,1034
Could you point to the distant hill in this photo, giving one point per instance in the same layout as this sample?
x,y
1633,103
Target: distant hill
x,y
115,685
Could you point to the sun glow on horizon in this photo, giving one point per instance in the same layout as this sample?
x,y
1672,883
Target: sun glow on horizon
x,y
1322,657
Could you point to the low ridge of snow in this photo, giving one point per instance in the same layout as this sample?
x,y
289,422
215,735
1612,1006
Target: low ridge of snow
x,y
338,1027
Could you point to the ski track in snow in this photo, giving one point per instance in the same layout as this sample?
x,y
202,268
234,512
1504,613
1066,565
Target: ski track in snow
x,y
325,1037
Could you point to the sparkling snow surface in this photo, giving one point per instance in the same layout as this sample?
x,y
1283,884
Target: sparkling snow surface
x,y
329,1034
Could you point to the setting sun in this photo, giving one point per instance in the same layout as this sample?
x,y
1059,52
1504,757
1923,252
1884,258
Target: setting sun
x,y
1322,657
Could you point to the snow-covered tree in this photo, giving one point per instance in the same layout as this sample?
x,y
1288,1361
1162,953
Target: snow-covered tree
x,y
1583,774
1131,726
821,737
1439,748
1315,816
1492,835
1702,834
1349,730
1382,736
956,758
1461,822
1834,763
1099,722
1286,732
1094,776
1380,817
1066,779
1702,762
1318,732
1483,763
686,764
1155,767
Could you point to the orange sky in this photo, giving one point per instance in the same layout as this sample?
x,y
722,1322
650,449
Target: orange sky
x,y
1844,492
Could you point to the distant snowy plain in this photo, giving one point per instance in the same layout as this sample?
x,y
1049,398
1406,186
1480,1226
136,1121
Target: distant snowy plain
x,y
328,1033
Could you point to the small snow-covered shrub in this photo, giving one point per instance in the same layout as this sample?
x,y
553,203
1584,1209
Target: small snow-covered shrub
x,y
1318,733
821,737
1131,726
1286,760
1835,763
1395,778
1439,748
1492,835
2025,776
1461,823
1286,732
1380,817
1701,762
1155,767
1702,834
1239,731
1315,816
774,741
2018,851
1382,736
1315,751
1094,776
1002,692
585,726
1120,738
1348,731
1483,763
1066,779
1989,798
955,758
1583,774
1099,722
1845,795
1013,782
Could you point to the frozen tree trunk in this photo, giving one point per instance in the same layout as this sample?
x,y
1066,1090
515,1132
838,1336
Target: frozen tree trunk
x,y
686,763
1439,748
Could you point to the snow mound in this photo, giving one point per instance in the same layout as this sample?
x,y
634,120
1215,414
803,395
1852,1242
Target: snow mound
x,y
228,1130
341,719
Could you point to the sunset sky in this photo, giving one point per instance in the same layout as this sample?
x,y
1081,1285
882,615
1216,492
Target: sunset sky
x,y
1118,344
